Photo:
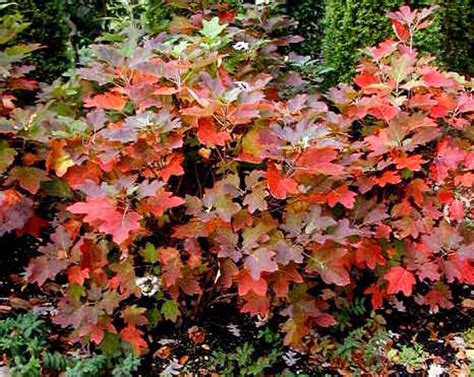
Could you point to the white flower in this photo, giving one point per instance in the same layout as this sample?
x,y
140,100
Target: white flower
x,y
262,2
239,46
261,320
435,370
148,285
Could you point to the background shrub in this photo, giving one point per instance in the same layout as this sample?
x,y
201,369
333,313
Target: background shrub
x,y
457,35
48,27
309,15
336,30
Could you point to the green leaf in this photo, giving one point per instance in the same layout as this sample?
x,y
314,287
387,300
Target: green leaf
x,y
149,253
154,317
110,345
170,310
7,155
77,291
212,28
57,187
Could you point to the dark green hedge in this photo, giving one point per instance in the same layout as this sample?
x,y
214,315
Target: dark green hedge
x,y
309,14
456,24
350,25
47,27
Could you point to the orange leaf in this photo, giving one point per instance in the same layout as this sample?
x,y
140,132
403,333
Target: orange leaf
x,y
107,101
391,177
412,163
134,336
208,133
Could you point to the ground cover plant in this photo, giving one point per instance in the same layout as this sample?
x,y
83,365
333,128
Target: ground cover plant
x,y
177,170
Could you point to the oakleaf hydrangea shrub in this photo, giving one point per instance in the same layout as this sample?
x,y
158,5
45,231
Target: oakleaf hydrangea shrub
x,y
188,175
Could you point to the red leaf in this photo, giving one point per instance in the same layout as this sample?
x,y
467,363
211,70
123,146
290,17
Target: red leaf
x,y
380,143
432,77
377,296
76,275
107,101
227,16
460,269
282,279
318,161
103,215
384,111
412,163
171,264
278,185
43,268
243,114
401,30
165,91
416,189
23,84
33,227
228,271
439,297
190,286
370,254
260,260
341,195
255,304
328,261
325,320
157,205
456,210
96,331
365,79
465,180
196,111
208,133
247,284
15,211
383,48
174,166
400,280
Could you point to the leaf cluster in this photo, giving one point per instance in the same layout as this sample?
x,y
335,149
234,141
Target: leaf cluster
x,y
184,174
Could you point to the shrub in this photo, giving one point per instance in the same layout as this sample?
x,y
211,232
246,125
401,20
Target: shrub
x,y
188,176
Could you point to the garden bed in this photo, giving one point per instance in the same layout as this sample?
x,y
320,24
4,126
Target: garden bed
x,y
224,341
